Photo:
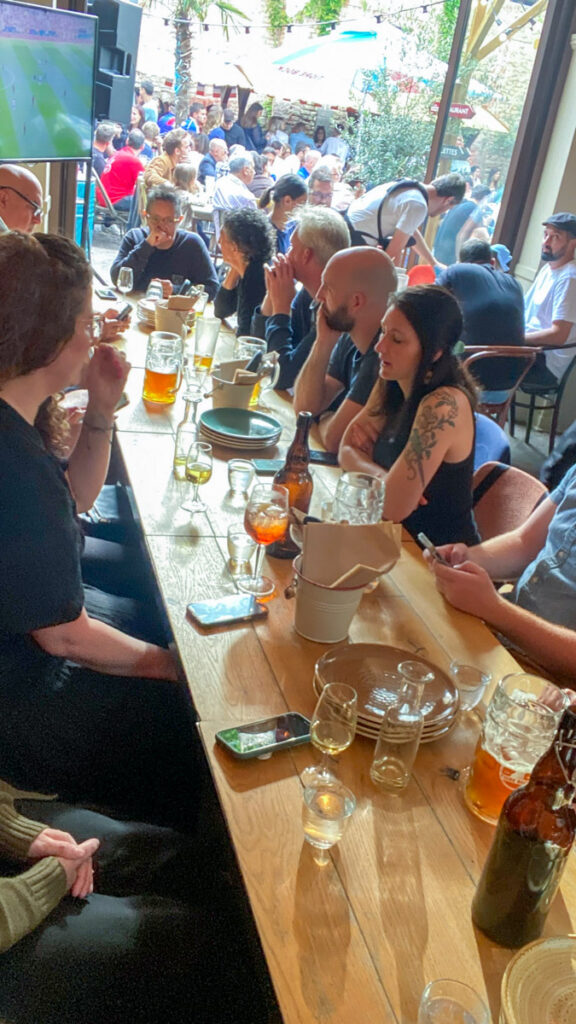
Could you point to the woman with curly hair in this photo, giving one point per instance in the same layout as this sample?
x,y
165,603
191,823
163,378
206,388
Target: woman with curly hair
x,y
247,243
82,709
417,429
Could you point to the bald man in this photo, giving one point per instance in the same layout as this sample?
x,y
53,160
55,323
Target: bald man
x,y
342,366
20,199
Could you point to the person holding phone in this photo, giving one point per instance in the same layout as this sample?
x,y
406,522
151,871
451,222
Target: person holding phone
x,y
86,710
417,430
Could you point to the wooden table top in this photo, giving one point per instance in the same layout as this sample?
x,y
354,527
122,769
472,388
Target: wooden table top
x,y
359,938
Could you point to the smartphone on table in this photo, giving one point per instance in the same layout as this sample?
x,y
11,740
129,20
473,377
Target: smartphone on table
x,y
427,543
219,611
266,736
106,293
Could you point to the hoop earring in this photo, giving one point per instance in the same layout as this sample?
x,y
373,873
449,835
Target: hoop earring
x,y
428,376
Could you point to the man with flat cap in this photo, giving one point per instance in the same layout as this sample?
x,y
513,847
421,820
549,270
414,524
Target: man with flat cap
x,y
550,304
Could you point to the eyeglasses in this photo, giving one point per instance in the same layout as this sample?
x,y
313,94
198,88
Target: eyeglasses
x,y
322,198
37,209
166,222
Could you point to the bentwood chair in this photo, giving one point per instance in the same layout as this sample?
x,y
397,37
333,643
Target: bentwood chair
x,y
516,361
551,392
108,214
503,498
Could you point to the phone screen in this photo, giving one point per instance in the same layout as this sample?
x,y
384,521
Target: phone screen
x,y
243,740
230,608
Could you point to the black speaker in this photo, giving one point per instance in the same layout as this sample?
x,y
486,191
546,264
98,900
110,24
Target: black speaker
x,y
118,38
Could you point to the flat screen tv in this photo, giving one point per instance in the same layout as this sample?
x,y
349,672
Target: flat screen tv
x,y
47,65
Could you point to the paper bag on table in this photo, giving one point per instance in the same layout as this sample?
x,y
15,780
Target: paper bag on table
x,y
183,303
341,555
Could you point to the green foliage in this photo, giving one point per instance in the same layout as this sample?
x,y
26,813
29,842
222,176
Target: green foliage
x,y
277,19
395,141
446,26
321,11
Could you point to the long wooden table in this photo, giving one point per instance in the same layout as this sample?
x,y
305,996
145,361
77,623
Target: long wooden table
x,y
358,939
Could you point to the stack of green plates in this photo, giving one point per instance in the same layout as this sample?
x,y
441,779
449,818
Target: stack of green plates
x,y
239,428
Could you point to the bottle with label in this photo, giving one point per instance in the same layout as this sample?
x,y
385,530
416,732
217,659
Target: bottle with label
x,y
295,475
186,433
533,838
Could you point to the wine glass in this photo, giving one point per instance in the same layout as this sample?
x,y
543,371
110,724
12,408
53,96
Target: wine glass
x,y
332,729
125,282
198,471
266,520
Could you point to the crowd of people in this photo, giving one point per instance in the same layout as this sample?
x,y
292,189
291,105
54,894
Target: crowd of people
x,y
92,707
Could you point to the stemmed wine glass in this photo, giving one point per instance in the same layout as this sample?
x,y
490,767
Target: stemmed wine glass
x,y
266,520
332,729
125,282
198,471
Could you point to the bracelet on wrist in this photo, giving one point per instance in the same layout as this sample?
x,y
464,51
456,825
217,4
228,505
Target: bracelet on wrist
x,y
100,430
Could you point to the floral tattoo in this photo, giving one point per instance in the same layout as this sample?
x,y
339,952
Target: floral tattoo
x,y
424,435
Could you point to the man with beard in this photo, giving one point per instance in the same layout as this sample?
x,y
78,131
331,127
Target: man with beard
x,y
342,363
550,303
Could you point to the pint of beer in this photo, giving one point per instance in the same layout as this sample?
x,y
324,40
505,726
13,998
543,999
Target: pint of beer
x,y
163,373
521,721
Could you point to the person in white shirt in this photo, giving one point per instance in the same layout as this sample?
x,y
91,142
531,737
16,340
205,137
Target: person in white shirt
x,y
390,214
550,303
232,192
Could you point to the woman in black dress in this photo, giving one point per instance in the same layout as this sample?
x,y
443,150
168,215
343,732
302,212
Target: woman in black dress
x,y
247,243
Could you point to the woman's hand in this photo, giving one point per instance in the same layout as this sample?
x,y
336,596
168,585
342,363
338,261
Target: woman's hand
x,y
363,436
111,327
105,379
280,284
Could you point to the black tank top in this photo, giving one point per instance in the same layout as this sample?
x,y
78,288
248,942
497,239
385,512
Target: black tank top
x,y
448,516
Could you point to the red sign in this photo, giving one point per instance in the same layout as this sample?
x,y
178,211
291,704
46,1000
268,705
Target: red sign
x,y
462,110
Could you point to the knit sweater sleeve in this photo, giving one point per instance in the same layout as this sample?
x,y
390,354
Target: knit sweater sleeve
x,y
27,899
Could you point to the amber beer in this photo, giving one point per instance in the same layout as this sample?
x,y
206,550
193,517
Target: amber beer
x,y
160,387
295,476
490,784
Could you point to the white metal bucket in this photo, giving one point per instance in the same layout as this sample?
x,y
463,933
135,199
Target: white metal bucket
x,y
323,614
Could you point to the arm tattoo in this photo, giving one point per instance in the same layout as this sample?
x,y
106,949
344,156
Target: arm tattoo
x,y
424,435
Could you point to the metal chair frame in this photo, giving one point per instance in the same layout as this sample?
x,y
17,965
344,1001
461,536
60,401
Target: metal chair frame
x,y
102,213
476,353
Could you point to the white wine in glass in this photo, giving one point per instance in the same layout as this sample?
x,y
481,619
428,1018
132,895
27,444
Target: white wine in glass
x,y
332,728
125,282
198,471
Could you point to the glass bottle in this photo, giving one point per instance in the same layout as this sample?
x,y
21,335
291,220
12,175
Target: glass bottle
x,y
186,433
399,739
296,477
533,838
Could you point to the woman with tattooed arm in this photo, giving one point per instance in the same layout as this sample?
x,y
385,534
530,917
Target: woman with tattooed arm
x,y
417,428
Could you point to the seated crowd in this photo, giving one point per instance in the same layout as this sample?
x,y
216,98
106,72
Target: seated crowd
x,y
92,705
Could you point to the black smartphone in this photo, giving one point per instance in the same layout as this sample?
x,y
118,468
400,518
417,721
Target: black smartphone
x,y
323,458
218,611
427,543
183,288
124,312
258,738
106,293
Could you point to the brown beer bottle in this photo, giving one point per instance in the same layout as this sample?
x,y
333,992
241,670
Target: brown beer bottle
x,y
296,476
533,838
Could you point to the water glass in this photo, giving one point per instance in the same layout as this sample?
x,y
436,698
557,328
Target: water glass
x,y
451,1002
240,476
359,499
241,547
154,291
326,808
470,682
520,724
125,282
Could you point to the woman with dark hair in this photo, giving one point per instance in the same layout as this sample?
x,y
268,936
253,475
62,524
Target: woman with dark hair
x,y
319,136
261,180
417,430
247,243
255,137
289,192
85,710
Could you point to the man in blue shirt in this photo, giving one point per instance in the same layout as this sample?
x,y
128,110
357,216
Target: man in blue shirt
x,y
541,556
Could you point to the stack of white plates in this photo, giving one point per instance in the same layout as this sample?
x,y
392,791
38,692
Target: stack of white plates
x,y
372,669
239,428
146,312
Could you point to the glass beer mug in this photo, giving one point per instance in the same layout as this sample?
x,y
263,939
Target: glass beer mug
x,y
163,373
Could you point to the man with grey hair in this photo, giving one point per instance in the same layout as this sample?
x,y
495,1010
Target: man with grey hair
x,y
102,147
232,192
215,160
162,251
342,367
286,319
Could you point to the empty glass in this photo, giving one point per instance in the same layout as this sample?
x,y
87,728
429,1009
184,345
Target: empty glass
x,y
326,808
240,476
470,683
241,547
451,1002
359,499
125,282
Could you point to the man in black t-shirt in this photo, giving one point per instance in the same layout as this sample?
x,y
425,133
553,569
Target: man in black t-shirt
x,y
342,364
492,305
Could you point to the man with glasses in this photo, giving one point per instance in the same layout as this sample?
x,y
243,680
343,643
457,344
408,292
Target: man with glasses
x,y
320,187
21,200
162,251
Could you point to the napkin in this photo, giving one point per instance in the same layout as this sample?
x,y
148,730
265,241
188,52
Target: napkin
x,y
342,555
183,303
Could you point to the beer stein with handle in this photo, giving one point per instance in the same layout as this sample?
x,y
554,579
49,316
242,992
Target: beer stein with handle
x,y
163,374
